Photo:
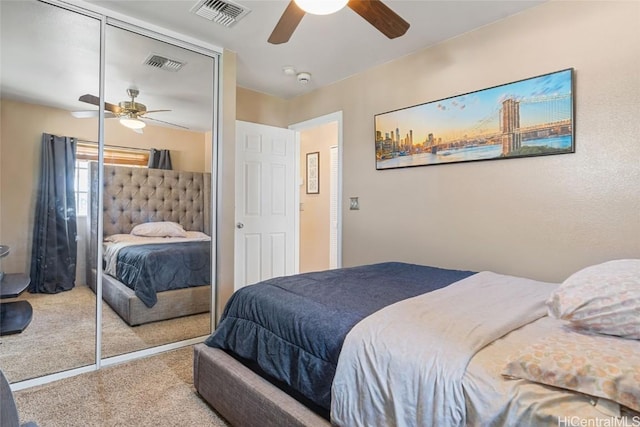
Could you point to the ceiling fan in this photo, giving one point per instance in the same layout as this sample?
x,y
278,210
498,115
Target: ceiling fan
x,y
130,112
375,12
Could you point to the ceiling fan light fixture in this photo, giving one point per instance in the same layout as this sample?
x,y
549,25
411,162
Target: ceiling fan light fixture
x,y
132,123
321,7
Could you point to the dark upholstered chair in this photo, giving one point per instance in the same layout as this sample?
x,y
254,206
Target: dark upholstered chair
x,y
8,411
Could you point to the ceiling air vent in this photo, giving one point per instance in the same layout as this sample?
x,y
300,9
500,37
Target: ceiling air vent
x,y
224,12
157,61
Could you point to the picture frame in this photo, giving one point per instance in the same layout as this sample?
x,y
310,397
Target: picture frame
x,y
525,118
313,173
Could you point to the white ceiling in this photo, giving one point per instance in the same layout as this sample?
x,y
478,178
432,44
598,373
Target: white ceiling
x,y
331,48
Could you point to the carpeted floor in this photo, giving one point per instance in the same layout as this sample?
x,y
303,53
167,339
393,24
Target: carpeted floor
x,y
154,391
61,334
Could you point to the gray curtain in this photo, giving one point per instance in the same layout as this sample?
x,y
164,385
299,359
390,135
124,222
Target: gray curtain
x,y
159,159
54,251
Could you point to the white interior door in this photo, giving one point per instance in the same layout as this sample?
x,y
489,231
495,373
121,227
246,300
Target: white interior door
x,y
265,203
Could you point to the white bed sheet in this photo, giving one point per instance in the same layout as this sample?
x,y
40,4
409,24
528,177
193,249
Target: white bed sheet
x,y
404,365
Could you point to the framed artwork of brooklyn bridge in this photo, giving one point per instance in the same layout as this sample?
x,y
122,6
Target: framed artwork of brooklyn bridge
x,y
530,117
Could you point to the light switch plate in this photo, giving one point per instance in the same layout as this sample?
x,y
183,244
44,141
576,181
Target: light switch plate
x,y
354,204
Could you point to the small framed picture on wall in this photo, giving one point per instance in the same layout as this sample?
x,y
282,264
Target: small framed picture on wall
x,y
313,173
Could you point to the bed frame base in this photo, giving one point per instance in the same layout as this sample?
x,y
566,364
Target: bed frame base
x,y
171,304
244,398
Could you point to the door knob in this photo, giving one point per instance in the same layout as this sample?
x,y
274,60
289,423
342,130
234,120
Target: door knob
x,y
239,225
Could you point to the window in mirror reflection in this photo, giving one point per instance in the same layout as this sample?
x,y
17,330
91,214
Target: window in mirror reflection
x,y
87,152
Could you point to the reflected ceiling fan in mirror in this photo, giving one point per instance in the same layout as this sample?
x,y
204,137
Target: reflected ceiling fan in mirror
x,y
375,12
130,112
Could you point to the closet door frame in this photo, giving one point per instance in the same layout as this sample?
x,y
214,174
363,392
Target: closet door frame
x,y
109,18
153,34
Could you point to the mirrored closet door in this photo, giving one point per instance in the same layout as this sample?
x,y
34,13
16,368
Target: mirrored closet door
x,y
49,56
157,220
67,235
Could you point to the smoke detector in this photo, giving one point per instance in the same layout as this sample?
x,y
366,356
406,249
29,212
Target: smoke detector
x,y
304,77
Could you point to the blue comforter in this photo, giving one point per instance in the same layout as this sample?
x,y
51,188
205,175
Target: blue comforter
x,y
293,327
148,269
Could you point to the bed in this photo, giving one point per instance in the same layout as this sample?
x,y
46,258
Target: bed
x,y
152,219
452,348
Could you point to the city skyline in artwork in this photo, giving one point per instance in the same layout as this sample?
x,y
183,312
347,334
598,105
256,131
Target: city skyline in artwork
x,y
525,118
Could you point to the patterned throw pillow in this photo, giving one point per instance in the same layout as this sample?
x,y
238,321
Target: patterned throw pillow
x,y
603,298
592,364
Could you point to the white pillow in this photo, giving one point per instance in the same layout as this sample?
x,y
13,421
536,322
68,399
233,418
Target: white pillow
x,y
603,298
159,229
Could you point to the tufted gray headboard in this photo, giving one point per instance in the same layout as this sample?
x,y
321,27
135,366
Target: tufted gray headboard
x,y
134,196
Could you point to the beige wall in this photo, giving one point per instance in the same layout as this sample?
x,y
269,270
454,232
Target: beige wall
x,y
539,217
226,186
314,212
21,128
261,108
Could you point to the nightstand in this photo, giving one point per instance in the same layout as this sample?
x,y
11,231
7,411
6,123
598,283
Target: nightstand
x,y
14,316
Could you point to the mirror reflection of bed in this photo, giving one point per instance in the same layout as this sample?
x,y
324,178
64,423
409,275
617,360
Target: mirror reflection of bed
x,y
185,133
156,272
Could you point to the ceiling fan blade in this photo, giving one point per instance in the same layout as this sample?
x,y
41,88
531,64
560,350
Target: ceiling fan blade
x,y
162,121
380,16
287,24
92,99
91,113
152,111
